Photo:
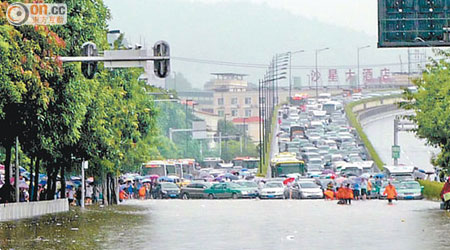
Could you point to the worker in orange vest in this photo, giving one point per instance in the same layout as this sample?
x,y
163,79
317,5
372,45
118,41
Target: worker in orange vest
x,y
391,192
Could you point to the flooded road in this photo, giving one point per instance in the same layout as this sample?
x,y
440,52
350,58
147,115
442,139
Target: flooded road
x,y
293,224
237,224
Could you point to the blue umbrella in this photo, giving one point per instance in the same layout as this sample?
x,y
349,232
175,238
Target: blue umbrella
x,y
43,182
244,169
380,175
422,171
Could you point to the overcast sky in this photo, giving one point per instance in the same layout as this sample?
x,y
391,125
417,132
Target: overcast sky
x,y
360,15
253,31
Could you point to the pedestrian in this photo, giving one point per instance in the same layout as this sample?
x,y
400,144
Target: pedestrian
x,y
369,187
142,192
364,188
348,192
378,184
390,192
89,192
445,194
78,195
123,195
356,192
70,195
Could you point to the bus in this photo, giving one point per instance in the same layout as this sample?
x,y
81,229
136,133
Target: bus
x,y
211,162
400,172
154,168
350,169
331,107
283,167
246,162
300,100
184,167
297,131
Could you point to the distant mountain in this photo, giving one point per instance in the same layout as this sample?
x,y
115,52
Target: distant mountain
x,y
240,32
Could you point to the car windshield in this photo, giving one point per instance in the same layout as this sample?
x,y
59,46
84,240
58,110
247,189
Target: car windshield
x,y
409,185
308,185
248,184
169,185
273,185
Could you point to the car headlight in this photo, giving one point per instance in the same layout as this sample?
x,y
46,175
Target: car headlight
x,y
244,192
164,192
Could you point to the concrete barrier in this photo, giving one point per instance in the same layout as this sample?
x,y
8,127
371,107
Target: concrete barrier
x,y
22,210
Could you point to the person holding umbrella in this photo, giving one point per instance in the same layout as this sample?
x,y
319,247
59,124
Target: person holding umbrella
x,y
391,192
445,194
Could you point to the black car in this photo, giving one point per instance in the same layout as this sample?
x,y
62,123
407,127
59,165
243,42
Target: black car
x,y
194,190
166,190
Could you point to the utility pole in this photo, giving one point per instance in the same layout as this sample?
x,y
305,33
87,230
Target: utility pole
x,y
360,48
396,121
316,73
17,170
84,164
290,73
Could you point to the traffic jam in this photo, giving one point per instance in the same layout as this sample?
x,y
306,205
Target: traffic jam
x,y
319,156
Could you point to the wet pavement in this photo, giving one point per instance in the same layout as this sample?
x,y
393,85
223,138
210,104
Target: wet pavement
x,y
237,224
293,224
414,151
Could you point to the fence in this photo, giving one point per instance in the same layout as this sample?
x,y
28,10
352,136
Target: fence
x,y
22,210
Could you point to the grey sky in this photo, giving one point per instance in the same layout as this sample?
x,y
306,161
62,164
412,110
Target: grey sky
x,y
252,31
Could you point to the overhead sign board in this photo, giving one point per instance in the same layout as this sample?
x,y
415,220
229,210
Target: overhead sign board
x,y
413,23
199,130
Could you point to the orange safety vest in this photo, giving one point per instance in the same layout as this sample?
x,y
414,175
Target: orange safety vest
x,y
390,192
142,191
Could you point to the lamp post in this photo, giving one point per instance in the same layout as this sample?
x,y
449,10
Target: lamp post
x,y
316,77
360,48
290,72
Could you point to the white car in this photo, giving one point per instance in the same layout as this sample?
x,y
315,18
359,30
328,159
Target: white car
x,y
309,190
273,190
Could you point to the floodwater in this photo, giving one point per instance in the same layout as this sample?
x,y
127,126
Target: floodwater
x,y
238,224
95,228
293,224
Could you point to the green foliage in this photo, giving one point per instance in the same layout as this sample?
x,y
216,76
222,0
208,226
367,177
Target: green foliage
x,y
432,189
430,104
362,135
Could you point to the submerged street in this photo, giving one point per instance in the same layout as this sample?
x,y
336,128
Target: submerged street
x,y
291,224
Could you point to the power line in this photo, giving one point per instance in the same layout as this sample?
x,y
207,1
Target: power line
x,y
264,66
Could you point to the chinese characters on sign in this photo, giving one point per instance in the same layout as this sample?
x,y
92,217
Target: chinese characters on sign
x,y
333,76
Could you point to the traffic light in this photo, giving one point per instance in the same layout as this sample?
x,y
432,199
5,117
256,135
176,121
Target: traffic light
x,y
161,67
89,68
413,23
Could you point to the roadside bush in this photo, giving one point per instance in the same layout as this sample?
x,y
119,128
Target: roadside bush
x,y
432,189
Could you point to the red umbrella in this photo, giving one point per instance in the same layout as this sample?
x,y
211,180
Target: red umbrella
x,y
285,182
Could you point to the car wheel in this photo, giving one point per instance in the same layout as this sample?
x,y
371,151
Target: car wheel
x,y
234,196
185,196
210,196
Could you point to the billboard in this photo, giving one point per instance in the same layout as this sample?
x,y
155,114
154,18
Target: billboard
x,y
413,23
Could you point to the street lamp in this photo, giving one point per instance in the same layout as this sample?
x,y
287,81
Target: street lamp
x,y
360,48
316,77
290,72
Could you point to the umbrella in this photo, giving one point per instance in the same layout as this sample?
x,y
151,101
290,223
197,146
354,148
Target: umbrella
x,y
155,176
380,175
340,180
244,169
23,184
75,178
122,187
146,180
90,179
230,176
43,182
327,171
288,180
422,171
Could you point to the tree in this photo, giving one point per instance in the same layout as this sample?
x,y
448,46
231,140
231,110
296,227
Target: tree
x,y
430,103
